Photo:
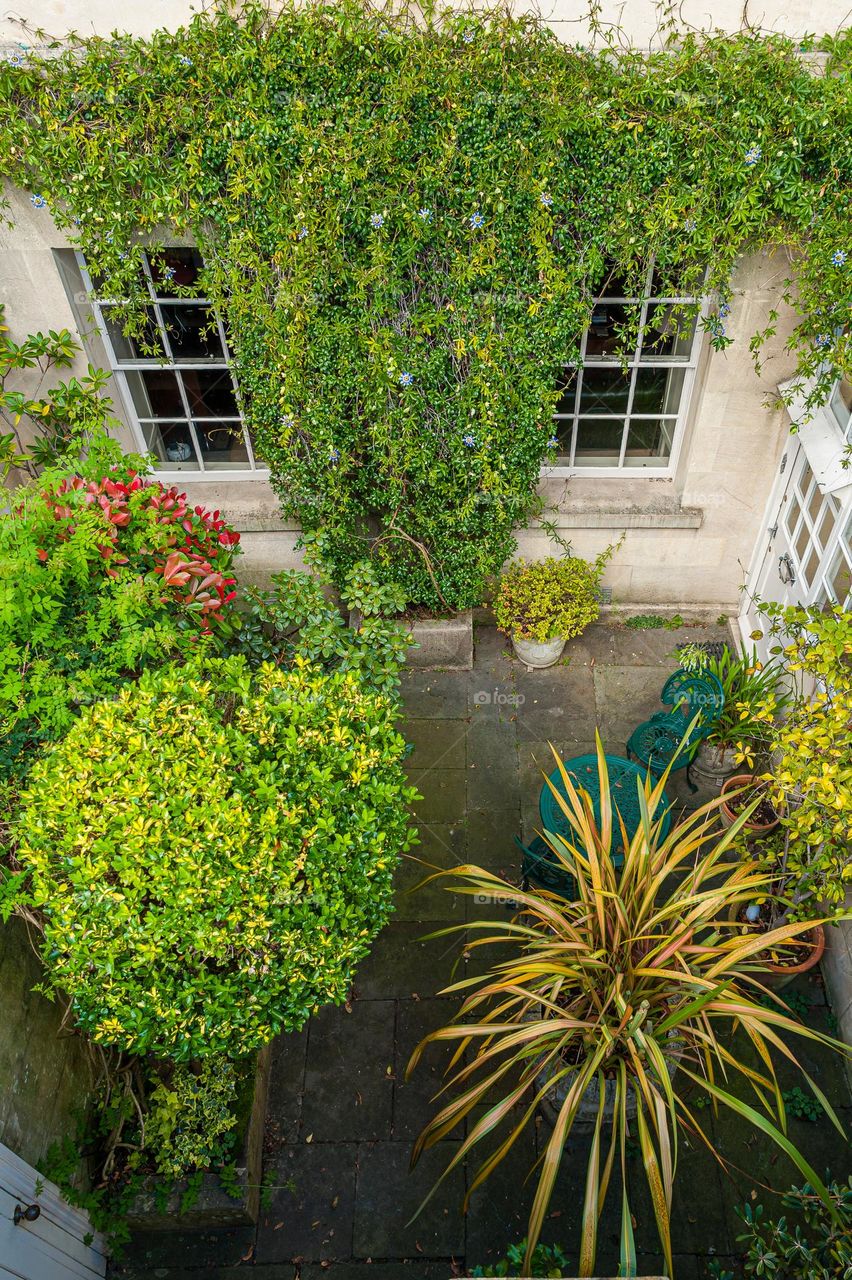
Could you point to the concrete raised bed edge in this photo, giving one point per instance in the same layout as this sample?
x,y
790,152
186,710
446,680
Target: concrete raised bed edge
x,y
440,644
213,1207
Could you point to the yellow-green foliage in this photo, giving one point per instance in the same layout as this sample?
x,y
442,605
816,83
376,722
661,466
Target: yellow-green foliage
x,y
811,771
212,852
191,1120
548,598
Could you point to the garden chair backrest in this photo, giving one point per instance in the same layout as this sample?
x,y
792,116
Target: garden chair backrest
x,y
689,695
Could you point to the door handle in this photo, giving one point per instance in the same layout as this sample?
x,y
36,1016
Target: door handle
x,y
786,572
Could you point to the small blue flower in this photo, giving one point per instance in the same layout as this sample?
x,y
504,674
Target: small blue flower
x,y
552,442
753,155
838,258
546,199
287,421
184,60
822,340
302,233
377,220
334,456
15,59
469,440
468,36
689,224
405,379
38,202
725,309
477,220
168,273
425,214
384,31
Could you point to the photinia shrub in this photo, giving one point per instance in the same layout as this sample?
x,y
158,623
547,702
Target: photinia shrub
x,y
100,576
211,853
550,598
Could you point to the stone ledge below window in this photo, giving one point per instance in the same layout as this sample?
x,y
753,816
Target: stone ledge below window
x,y
680,518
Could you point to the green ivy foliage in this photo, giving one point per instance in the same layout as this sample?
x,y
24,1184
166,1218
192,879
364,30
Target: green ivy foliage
x,y
212,852
406,216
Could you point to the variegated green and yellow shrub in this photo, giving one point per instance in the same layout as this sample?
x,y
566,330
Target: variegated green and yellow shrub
x,y
211,853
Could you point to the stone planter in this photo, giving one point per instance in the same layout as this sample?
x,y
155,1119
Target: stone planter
x,y
587,1112
157,1206
440,644
538,653
712,765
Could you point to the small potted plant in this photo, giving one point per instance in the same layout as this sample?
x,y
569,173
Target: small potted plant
x,y
740,792
756,694
544,604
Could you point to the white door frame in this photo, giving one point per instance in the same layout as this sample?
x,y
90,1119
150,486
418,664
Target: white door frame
x,y
52,1247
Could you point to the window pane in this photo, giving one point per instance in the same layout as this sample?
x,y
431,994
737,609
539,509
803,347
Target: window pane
x,y
649,442
613,329
567,385
841,403
210,393
155,393
802,541
839,576
222,444
171,443
147,346
173,268
667,335
604,391
613,283
598,442
193,334
658,390
826,526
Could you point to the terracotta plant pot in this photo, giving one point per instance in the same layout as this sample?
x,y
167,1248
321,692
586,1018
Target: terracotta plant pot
x,y
538,653
728,815
779,975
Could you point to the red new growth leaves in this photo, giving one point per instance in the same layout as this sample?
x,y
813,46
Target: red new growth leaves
x,y
190,547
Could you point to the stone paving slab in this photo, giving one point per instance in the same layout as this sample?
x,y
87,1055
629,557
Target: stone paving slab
x,y
348,1092
311,1209
389,1195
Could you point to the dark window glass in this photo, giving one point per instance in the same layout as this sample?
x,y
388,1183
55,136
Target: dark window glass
x,y
171,443
173,269
612,330
657,390
155,393
147,345
222,444
604,391
598,442
193,333
210,393
649,442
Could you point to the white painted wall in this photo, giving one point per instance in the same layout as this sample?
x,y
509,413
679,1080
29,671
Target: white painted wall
x,y
638,18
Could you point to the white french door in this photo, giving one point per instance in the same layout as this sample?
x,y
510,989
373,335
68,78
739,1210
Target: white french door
x,y
805,555
53,1241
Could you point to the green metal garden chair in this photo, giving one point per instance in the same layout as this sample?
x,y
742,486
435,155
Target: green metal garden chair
x,y
541,869
670,739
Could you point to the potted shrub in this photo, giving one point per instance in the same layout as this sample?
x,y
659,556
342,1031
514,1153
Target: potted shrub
x,y
755,694
810,786
611,992
544,604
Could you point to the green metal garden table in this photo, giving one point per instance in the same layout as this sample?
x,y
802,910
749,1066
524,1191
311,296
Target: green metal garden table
x,y
623,775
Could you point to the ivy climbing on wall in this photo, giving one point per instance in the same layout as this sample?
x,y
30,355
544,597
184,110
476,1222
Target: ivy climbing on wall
x,y
405,215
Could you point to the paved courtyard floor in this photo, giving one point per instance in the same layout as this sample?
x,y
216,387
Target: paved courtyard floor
x,y
342,1119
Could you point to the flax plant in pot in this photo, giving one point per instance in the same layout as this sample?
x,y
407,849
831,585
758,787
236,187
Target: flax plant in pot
x,y
616,1004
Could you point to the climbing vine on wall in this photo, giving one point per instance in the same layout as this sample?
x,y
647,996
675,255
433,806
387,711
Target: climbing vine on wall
x,y
405,215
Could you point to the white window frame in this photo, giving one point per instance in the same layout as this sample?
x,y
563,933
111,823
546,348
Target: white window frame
x,y
120,367
566,464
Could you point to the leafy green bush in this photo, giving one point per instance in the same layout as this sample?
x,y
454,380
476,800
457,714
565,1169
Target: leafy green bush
x,y
406,213
809,1244
549,598
548,1260
191,1120
211,853
102,573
